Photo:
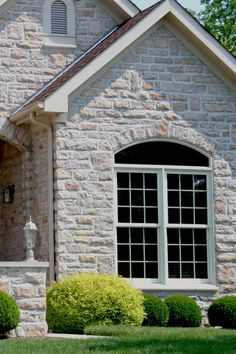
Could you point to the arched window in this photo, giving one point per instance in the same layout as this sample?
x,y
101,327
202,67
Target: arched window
x,y
164,214
59,23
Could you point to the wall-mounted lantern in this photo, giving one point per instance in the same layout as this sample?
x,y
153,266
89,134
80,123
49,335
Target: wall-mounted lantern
x,y
8,194
30,231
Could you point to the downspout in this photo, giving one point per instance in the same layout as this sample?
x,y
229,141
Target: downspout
x,y
50,196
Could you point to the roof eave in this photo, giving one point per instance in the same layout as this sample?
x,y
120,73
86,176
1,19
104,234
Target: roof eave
x,y
120,10
22,116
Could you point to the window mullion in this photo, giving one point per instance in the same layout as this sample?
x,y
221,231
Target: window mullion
x,y
163,210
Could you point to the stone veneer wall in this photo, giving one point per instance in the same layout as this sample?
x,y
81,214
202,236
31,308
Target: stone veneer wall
x,y
159,89
26,282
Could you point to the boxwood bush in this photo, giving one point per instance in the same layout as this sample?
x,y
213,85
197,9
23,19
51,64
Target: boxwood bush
x,y
9,313
183,311
222,312
85,299
157,312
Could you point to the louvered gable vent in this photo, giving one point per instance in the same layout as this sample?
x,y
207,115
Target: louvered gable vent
x,y
58,17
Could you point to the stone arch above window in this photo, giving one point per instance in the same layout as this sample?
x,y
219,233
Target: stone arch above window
x,y
163,130
59,23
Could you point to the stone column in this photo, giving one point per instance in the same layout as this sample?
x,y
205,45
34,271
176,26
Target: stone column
x,y
26,282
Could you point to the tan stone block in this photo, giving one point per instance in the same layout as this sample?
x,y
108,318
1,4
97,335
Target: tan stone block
x,y
72,186
225,274
14,31
35,278
62,174
35,330
5,285
25,291
32,304
57,60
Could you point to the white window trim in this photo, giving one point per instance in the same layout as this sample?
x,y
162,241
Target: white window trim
x,y
62,41
163,283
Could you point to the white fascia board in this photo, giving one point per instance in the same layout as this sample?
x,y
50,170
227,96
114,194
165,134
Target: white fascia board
x,y
120,10
182,18
5,4
58,101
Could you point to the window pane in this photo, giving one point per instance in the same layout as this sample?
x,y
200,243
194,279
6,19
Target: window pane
x,y
186,236
150,181
150,198
124,270
122,180
137,197
201,253
200,199
200,182
136,180
161,153
187,270
152,270
150,253
201,216
174,270
136,235
123,214
151,215
173,199
173,253
123,197
201,271
200,236
174,216
137,215
136,253
173,236
137,270
187,216
123,252
173,181
186,182
150,236
122,235
187,199
186,253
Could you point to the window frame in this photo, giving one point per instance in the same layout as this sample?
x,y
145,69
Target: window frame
x,y
59,40
164,282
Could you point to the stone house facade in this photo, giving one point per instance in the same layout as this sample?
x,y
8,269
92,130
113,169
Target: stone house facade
x,y
118,131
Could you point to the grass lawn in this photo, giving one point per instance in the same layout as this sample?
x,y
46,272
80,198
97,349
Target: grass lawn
x,y
138,340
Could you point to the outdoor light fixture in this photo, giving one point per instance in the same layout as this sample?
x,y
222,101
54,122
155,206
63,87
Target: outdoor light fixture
x,y
30,231
8,194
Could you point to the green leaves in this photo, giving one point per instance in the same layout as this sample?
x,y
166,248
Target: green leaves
x,y
218,17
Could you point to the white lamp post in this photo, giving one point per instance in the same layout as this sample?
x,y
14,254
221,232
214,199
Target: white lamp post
x,y
30,231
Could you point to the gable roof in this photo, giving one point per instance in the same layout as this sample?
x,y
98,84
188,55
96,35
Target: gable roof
x,y
53,97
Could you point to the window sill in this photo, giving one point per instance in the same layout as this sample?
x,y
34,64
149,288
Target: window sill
x,y
59,41
175,286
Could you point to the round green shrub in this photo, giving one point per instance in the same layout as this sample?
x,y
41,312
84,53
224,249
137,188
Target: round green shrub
x,y
222,312
9,313
157,312
85,299
183,311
